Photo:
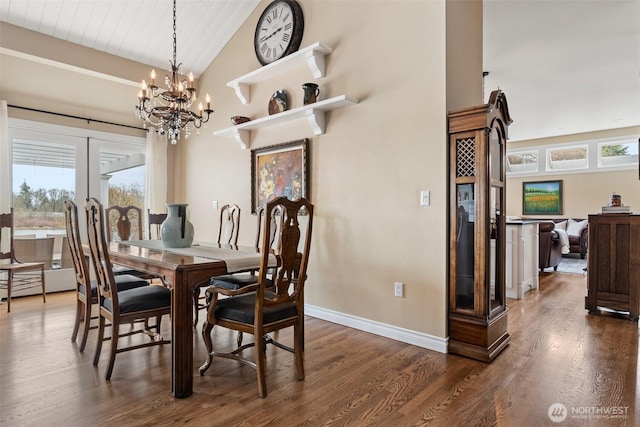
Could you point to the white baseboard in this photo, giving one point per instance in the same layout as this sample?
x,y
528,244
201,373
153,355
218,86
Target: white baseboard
x,y
399,334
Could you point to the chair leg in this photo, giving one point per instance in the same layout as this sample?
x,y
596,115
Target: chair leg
x,y
196,297
76,325
298,332
96,356
206,336
9,283
44,292
239,339
260,362
115,332
86,326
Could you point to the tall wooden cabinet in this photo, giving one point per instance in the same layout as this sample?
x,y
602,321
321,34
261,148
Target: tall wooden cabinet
x,y
614,264
477,314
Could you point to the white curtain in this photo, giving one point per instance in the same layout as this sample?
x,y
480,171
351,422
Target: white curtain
x,y
5,160
155,198
5,173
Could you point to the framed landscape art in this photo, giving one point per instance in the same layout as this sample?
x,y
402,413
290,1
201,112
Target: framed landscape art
x,y
542,198
279,170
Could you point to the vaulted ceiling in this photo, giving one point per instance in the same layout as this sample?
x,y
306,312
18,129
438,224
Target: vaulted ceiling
x,y
566,66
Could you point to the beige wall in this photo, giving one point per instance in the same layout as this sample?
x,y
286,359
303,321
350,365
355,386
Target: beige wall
x,y
366,171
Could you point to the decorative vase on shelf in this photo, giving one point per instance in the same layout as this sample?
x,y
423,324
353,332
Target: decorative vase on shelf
x,y
176,231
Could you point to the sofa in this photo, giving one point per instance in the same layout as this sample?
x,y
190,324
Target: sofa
x,y
578,233
549,246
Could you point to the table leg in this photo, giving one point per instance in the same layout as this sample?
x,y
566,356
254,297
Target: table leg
x,y
181,337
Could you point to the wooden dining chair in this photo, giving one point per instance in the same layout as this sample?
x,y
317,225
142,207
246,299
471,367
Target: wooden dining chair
x,y
228,230
258,311
154,221
86,300
124,223
236,281
14,274
118,307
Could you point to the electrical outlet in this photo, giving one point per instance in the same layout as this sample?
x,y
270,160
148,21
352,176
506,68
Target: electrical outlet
x,y
214,204
399,289
425,198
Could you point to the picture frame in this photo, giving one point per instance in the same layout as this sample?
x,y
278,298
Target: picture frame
x,y
542,197
279,170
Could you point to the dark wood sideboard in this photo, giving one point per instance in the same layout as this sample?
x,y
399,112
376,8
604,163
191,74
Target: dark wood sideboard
x,y
614,264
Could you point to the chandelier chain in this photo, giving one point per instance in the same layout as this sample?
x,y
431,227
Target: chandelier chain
x,y
175,43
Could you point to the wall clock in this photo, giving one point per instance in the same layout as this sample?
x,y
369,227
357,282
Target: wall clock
x,y
279,31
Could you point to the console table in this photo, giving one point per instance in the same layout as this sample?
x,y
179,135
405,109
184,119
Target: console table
x,y
522,258
614,264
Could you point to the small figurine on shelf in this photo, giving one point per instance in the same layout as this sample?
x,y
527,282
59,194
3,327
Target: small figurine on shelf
x,y
616,200
615,205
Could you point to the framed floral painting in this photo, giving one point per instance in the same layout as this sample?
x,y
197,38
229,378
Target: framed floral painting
x,y
279,170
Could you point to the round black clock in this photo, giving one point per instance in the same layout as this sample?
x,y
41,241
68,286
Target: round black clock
x,y
279,31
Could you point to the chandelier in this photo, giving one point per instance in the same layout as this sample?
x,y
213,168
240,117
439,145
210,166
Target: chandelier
x,y
169,111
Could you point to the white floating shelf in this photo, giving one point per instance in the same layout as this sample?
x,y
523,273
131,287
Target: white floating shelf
x,y
312,56
313,112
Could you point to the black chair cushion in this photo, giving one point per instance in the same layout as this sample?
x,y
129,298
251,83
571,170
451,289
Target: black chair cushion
x,y
123,281
236,281
242,309
142,298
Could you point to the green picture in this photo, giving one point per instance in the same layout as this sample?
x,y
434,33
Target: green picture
x,y
542,198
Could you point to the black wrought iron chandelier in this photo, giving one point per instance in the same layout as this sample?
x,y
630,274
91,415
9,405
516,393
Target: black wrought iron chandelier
x,y
169,111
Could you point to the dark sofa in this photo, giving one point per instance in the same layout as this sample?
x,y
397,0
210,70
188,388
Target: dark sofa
x,y
550,252
577,244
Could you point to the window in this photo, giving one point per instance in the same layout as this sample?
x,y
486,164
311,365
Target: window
x,y
617,154
522,162
604,155
53,163
567,158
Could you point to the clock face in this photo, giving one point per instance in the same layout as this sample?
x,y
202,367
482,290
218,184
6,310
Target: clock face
x,y
279,31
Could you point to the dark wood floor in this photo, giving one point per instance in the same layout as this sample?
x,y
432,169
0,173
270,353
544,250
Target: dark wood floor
x,y
558,354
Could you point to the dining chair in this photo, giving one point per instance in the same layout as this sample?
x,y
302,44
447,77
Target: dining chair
x,y
258,311
154,221
15,274
86,300
236,281
119,307
125,223
228,230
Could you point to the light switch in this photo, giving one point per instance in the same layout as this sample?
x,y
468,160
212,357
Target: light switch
x,y
425,198
214,204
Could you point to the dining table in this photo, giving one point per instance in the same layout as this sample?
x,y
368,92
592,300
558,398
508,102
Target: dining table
x,y
183,270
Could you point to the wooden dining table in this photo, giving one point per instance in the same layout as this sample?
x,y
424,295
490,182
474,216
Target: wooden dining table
x,y
184,269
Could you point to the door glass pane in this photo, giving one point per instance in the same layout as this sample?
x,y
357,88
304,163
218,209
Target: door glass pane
x,y
44,176
465,244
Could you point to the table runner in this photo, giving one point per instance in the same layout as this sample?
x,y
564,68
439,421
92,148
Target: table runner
x,y
235,259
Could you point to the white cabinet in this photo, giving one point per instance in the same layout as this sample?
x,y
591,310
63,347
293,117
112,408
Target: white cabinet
x,y
522,258
311,57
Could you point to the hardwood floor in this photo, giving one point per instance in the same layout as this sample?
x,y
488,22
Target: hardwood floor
x,y
558,354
